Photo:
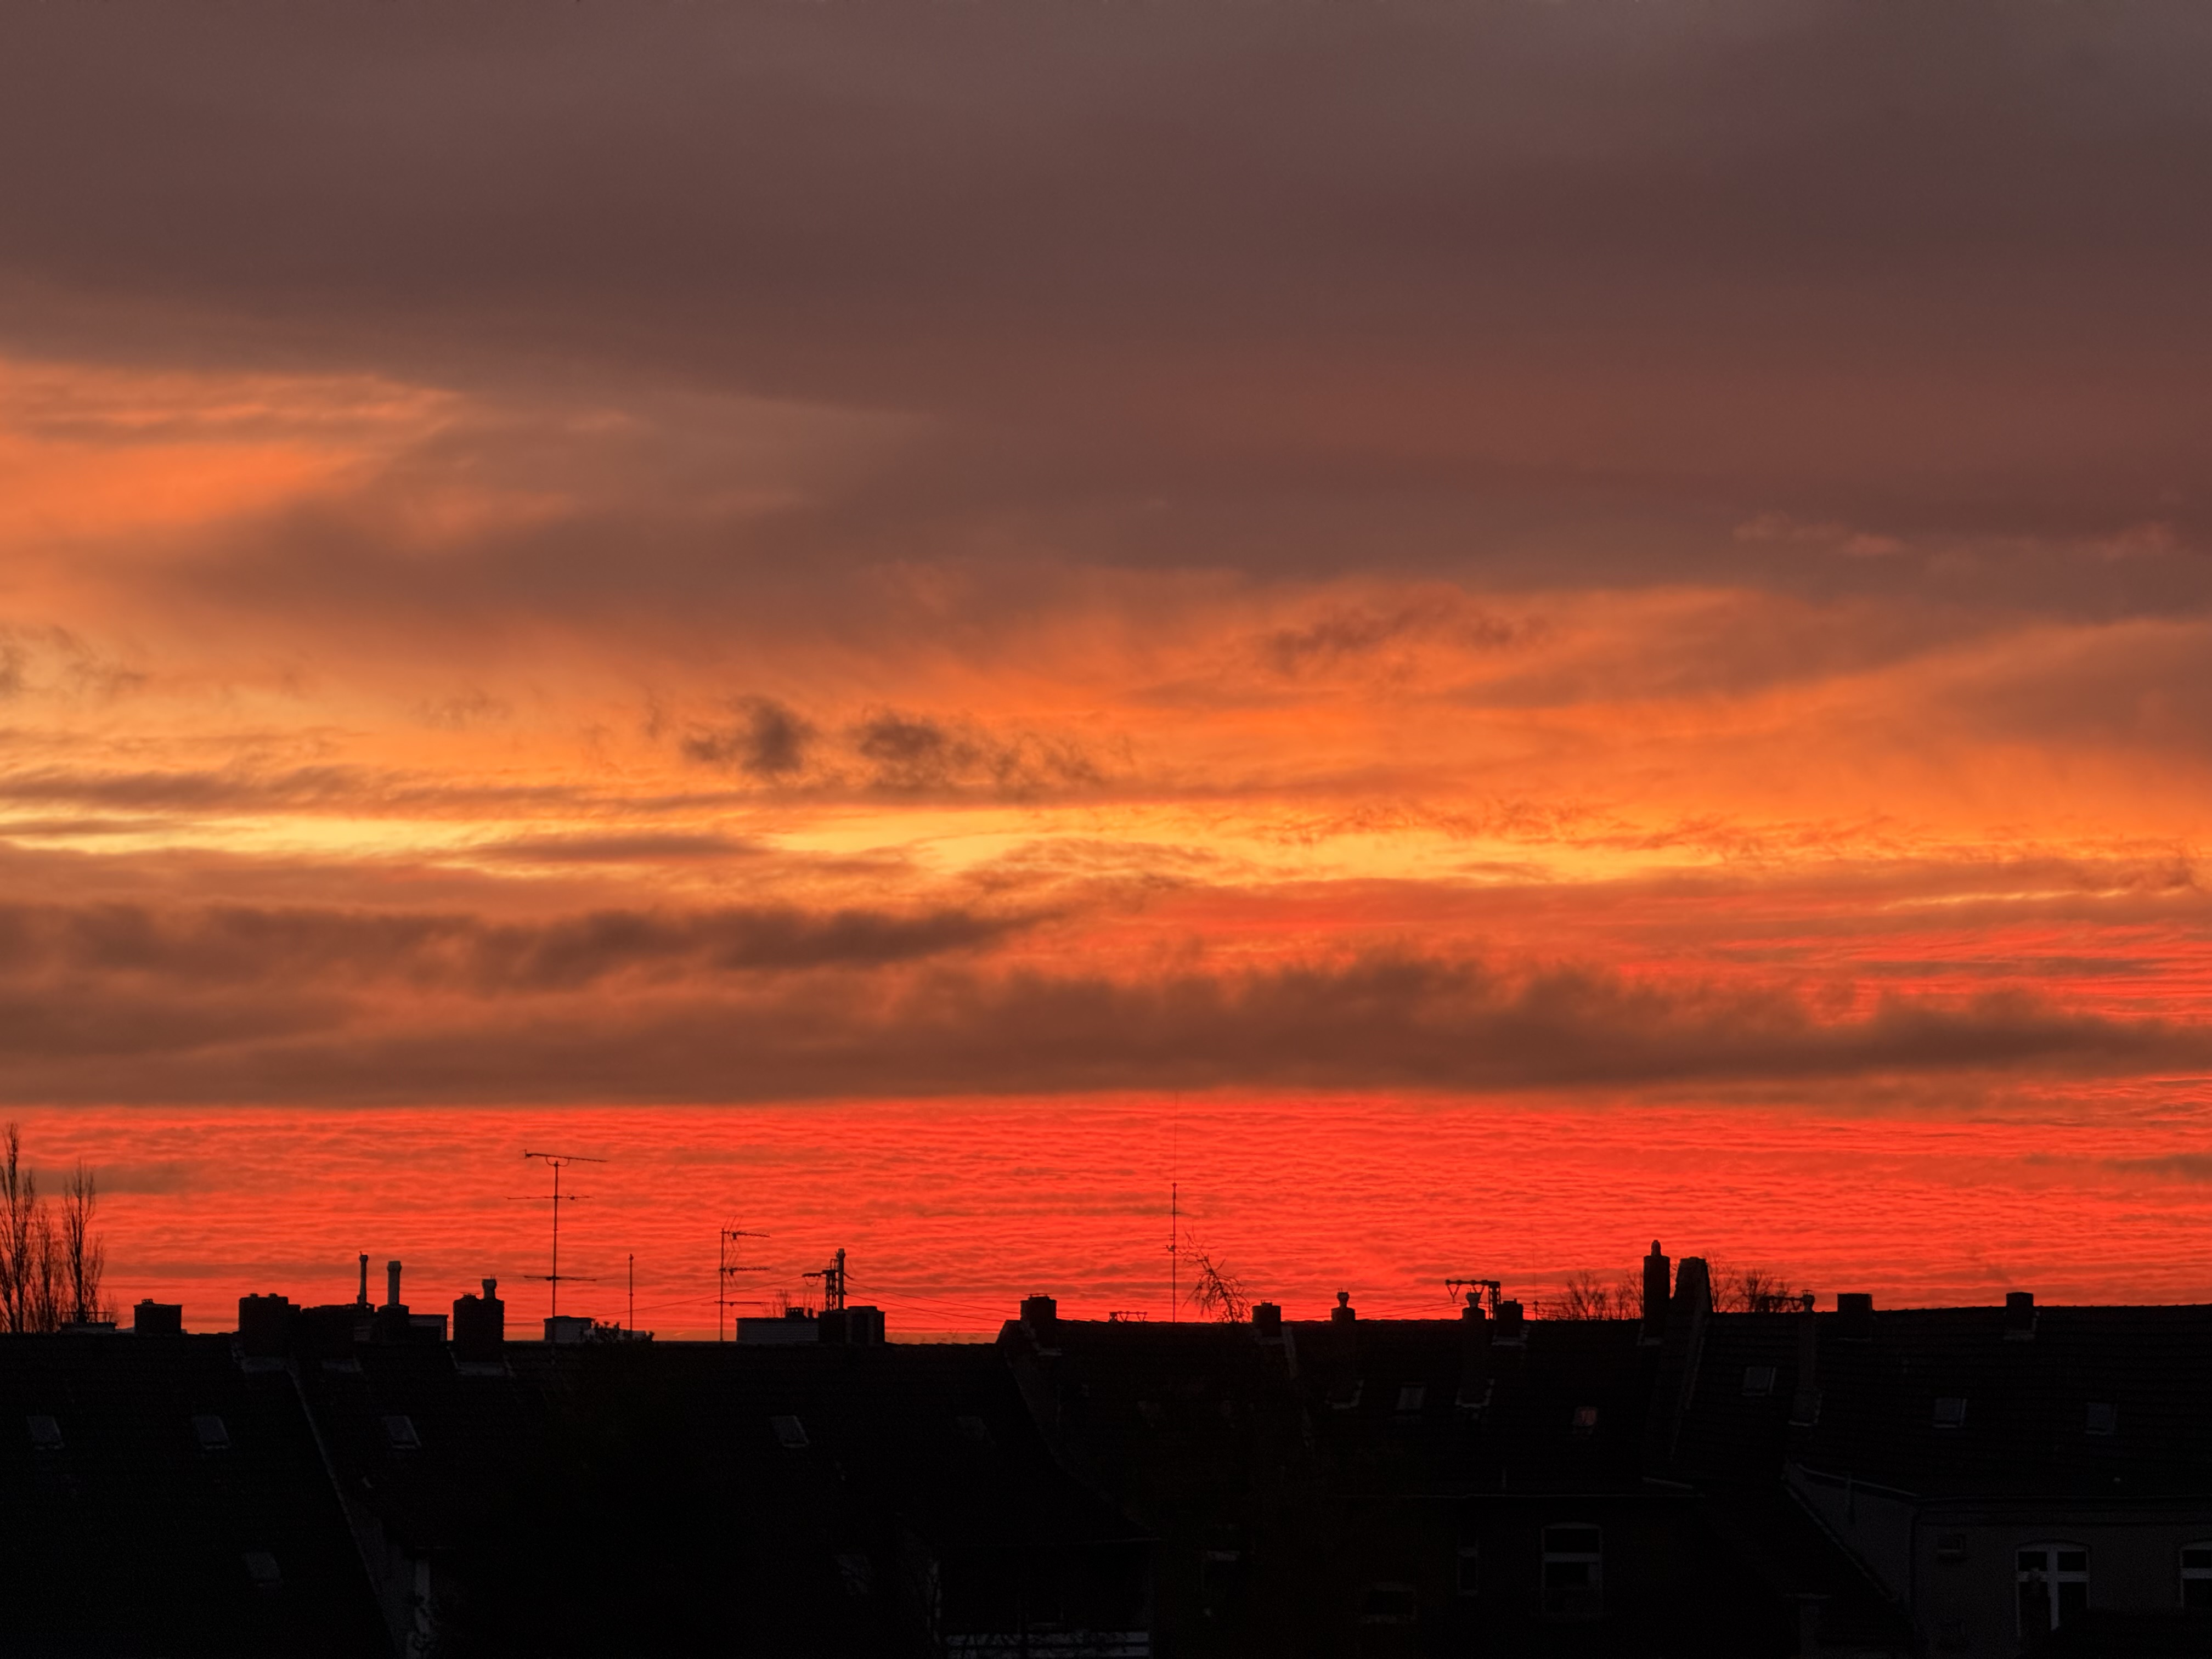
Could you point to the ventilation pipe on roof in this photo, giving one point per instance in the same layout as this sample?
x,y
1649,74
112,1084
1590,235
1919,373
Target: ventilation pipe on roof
x,y
364,1298
392,1284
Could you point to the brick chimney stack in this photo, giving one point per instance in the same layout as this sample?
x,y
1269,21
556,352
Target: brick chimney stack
x,y
1658,1288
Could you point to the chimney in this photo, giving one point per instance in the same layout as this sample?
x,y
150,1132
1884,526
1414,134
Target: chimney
x,y
1656,1289
392,1284
1512,1329
264,1326
2020,1315
1693,1287
1805,1404
1472,1311
1855,1315
1041,1315
363,1300
152,1318
1268,1322
480,1324
1342,1313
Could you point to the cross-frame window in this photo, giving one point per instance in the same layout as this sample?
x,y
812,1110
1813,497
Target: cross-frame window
x,y
2054,1585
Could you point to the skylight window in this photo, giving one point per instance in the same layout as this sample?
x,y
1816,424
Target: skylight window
x,y
1758,1382
46,1433
1409,1398
209,1431
789,1431
261,1567
399,1429
1950,1412
975,1428
1585,1419
2102,1418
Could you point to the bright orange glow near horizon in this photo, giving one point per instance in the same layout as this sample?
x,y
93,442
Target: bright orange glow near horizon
x,y
735,655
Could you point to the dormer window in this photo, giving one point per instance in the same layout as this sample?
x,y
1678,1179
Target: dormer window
x,y
1574,1568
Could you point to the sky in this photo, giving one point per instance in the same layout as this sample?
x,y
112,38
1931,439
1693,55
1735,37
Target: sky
x,y
1436,589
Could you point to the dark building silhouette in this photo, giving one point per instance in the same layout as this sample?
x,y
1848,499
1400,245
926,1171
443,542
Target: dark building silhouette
x,y
1990,1481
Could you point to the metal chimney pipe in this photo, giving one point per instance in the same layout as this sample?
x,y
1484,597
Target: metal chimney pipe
x,y
392,1284
364,1278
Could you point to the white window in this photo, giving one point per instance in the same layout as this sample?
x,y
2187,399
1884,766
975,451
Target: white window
x,y
2196,1576
1574,1571
2054,1583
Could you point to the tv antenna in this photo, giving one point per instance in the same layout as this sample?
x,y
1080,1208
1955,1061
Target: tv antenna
x,y
557,1162
727,1267
833,1282
1454,1286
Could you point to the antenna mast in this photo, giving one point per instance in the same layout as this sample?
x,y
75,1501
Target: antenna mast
x,y
727,1267
1174,1218
1454,1286
833,1283
557,1162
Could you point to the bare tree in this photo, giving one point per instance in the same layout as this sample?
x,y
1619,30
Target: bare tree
x,y
50,1273
84,1253
1215,1290
1587,1297
19,1205
1753,1290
